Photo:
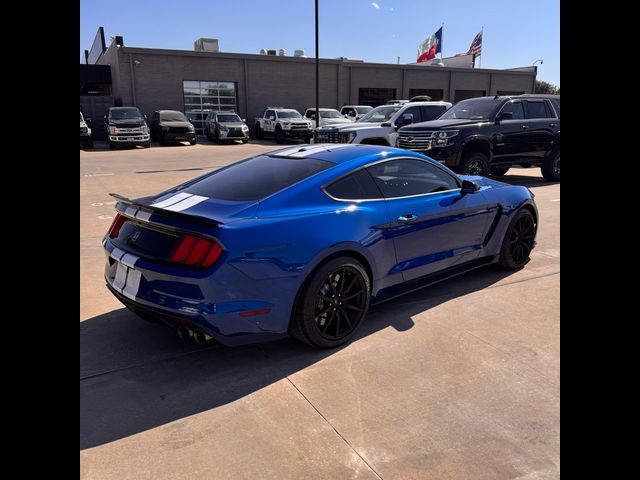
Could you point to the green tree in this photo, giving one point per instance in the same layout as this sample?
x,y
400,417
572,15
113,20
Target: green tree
x,y
546,87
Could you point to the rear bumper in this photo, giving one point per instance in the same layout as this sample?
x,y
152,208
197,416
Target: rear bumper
x,y
222,301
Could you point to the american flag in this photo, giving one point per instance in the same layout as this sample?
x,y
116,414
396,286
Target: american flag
x,y
476,45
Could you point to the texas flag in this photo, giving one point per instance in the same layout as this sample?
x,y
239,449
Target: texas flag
x,y
430,47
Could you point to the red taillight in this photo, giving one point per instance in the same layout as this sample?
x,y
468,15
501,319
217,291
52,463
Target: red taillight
x,y
116,226
196,251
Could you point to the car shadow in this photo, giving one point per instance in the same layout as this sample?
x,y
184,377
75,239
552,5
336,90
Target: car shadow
x,y
135,376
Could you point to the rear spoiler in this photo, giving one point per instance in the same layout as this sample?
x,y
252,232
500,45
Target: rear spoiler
x,y
167,213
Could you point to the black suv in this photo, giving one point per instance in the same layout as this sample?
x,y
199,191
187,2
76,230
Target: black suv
x,y
172,126
486,135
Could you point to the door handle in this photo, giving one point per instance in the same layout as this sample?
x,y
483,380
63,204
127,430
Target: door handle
x,y
553,125
524,127
408,217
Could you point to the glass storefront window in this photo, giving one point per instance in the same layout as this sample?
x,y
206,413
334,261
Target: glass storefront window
x,y
207,95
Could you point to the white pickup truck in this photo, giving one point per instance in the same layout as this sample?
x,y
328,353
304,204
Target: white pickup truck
x,y
283,123
380,126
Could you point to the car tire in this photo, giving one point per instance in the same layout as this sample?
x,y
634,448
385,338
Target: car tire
x,y
518,240
259,132
307,139
551,167
498,171
193,142
316,321
526,165
279,135
161,140
89,144
217,137
245,140
111,146
147,145
474,163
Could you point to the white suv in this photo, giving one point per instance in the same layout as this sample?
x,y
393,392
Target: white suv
x,y
355,112
380,126
328,116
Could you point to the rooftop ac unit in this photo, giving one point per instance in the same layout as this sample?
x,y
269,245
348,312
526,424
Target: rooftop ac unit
x,y
263,51
299,53
281,52
271,52
206,45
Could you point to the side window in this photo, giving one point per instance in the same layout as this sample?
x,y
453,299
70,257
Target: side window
x,y
431,112
537,110
556,105
308,113
156,116
350,111
514,108
415,111
269,114
405,177
357,186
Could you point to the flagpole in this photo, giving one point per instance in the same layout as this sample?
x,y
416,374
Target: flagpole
x,y
441,40
481,41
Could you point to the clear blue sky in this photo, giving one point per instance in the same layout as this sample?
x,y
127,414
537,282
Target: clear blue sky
x,y
516,33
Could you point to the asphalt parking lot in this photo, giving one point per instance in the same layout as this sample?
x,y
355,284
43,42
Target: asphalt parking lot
x,y
457,381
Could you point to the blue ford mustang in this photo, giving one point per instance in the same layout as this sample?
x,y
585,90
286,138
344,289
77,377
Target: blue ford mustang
x,y
300,241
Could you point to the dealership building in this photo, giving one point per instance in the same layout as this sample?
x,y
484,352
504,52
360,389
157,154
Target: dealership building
x,y
201,80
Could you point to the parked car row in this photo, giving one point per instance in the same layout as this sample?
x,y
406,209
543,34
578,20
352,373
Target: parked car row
x,y
478,136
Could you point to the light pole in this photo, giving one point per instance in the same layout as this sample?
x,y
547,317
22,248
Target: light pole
x,y
317,73
539,60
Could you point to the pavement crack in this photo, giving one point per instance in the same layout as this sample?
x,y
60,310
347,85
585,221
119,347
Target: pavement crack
x,y
334,429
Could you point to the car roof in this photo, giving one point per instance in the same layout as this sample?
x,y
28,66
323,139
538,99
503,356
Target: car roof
x,y
168,111
123,108
321,109
342,153
356,106
539,95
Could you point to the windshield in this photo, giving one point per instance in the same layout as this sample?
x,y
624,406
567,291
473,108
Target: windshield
x,y
362,110
125,114
229,118
173,117
380,114
330,114
289,114
472,109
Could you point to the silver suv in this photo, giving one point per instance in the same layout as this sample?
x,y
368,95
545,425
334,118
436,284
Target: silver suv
x,y
380,126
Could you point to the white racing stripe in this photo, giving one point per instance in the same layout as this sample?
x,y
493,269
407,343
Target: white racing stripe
x,y
186,203
132,283
171,200
302,152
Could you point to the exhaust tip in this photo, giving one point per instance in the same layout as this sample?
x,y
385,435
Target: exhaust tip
x,y
185,333
201,337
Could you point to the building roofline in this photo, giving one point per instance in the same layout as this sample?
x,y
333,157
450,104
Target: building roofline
x,y
277,58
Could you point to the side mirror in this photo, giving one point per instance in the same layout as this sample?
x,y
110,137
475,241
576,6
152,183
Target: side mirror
x,y
469,187
504,116
312,116
145,117
406,119
385,124
244,120
272,118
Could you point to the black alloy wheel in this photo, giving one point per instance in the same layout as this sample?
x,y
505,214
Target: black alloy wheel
x,y
551,167
518,241
474,163
340,303
333,304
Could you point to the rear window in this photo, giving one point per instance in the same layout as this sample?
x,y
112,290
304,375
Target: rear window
x,y
357,186
256,177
